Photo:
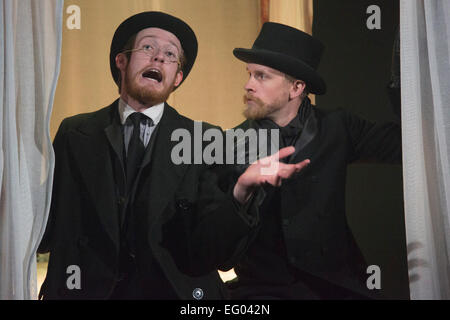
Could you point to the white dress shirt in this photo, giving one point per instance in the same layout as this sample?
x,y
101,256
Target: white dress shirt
x,y
155,113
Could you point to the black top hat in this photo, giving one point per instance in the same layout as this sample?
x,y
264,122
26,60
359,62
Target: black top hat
x,y
288,50
155,19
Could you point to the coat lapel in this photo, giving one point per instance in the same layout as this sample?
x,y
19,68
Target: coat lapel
x,y
91,145
309,132
115,137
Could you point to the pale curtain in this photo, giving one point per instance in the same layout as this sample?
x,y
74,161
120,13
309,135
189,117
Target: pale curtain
x,y
30,42
425,73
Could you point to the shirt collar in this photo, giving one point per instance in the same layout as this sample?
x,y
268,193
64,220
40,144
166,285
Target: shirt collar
x,y
154,112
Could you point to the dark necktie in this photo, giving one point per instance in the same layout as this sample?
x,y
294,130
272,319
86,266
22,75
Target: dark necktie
x,y
135,154
136,149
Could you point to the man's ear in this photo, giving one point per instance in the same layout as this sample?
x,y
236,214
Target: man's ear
x,y
178,78
121,61
297,89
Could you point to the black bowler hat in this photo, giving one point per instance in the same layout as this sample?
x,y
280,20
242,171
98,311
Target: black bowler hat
x,y
154,19
288,50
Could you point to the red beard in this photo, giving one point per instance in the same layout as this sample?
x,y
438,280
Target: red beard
x,y
142,94
255,112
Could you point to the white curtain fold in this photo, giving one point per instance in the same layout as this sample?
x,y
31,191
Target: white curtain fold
x,y
425,73
30,48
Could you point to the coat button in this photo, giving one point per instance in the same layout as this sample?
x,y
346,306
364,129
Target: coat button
x,y
183,204
121,201
198,294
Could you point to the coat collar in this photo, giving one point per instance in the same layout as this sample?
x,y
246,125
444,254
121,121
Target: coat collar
x,y
310,131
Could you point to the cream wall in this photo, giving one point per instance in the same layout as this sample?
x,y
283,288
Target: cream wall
x,y
295,13
214,88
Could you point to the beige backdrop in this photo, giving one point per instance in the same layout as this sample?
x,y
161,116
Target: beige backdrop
x,y
214,88
295,13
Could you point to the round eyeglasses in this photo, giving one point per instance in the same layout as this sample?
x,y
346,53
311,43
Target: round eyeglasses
x,y
151,50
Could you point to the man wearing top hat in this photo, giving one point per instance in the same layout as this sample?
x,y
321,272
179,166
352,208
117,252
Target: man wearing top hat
x,y
116,187
303,248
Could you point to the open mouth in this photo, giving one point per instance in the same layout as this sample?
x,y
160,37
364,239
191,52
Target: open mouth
x,y
153,74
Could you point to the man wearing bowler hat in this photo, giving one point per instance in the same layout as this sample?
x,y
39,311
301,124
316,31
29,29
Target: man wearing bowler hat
x,y
304,248
116,187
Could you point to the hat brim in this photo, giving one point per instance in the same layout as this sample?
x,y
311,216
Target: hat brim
x,y
286,64
154,19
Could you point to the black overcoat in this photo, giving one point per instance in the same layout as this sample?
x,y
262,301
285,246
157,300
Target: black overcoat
x,y
310,208
83,228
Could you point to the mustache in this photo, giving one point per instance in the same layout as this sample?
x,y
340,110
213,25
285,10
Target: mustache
x,y
145,69
248,97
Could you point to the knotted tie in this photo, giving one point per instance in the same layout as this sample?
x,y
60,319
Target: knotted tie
x,y
136,148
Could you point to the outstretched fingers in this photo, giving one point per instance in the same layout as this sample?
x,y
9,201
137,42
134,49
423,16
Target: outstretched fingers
x,y
301,165
285,171
283,153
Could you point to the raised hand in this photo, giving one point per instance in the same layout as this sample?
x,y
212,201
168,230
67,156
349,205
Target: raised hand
x,y
266,170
